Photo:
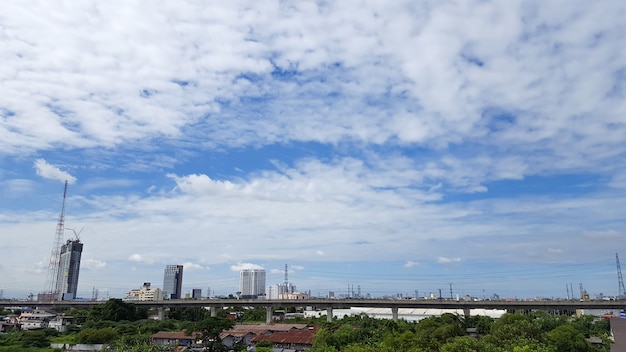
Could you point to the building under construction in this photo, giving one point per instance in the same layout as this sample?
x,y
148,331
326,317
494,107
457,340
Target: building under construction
x,y
64,267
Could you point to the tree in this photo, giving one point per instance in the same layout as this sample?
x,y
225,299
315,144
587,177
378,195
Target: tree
x,y
95,336
210,330
568,338
35,339
189,314
468,344
116,310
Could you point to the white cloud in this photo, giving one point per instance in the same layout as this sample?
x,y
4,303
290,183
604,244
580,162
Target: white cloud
x,y
444,260
93,264
138,258
418,106
193,266
411,264
245,266
52,172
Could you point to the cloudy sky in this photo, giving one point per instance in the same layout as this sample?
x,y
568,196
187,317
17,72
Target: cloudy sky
x,y
385,146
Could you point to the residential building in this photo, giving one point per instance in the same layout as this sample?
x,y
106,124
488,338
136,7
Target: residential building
x,y
69,268
176,338
252,283
173,282
279,290
145,293
245,333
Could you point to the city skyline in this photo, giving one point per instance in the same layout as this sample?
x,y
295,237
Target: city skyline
x,y
399,147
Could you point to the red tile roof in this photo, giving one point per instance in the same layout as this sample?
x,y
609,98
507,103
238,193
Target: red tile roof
x,y
300,337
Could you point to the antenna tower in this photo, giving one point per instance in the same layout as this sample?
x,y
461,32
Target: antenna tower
x,y
620,280
51,292
286,277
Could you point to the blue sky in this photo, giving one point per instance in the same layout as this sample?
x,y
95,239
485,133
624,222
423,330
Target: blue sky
x,y
396,147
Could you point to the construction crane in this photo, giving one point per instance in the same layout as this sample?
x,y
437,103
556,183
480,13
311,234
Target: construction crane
x,y
51,292
620,281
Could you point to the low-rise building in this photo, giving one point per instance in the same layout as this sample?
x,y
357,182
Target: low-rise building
x,y
246,333
145,293
32,319
175,338
293,340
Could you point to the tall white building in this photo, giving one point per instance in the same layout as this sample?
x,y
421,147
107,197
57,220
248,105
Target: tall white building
x,y
252,283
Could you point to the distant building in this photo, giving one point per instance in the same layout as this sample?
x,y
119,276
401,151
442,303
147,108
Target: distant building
x,y
69,268
196,293
252,283
277,291
173,282
293,295
145,293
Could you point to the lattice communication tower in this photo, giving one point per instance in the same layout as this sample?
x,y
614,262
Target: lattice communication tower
x,y
51,292
620,280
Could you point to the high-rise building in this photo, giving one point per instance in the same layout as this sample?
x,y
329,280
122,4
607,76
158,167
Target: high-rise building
x,y
252,283
196,293
69,267
173,282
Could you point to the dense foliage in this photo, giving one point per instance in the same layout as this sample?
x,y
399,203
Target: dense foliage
x,y
124,327
536,332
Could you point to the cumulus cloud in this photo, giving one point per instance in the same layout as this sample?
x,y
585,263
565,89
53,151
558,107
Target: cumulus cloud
x,y
245,266
444,260
411,264
93,264
370,142
138,258
194,266
52,172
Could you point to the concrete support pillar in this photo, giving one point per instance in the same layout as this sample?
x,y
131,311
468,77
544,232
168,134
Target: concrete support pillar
x,y
268,315
213,311
160,313
466,313
329,314
394,313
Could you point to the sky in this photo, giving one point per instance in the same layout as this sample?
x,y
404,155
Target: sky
x,y
383,147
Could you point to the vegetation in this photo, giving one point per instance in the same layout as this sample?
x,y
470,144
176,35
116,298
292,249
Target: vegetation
x,y
537,332
124,327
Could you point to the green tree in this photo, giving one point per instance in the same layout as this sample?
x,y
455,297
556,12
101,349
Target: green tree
x,y
35,339
468,344
116,310
210,329
568,338
515,330
255,314
96,336
189,314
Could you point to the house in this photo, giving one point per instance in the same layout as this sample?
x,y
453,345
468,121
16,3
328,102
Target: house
x,y
32,319
295,340
175,338
60,322
246,333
